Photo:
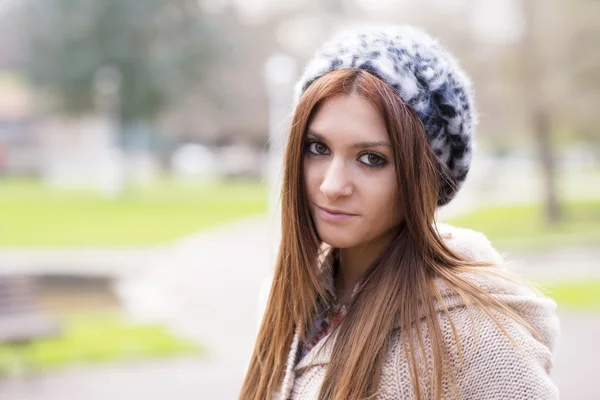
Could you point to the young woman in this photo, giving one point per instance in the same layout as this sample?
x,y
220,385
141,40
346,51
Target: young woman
x,y
371,298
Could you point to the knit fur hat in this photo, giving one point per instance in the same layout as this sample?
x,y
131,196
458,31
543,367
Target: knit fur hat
x,y
425,75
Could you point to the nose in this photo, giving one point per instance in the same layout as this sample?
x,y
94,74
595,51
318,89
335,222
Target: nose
x,y
336,181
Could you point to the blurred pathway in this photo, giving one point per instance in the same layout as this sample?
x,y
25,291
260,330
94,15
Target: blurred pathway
x,y
204,287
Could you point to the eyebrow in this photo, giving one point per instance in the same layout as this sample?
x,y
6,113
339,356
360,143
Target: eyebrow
x,y
359,145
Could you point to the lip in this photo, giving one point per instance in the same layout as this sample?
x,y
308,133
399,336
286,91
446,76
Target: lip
x,y
332,215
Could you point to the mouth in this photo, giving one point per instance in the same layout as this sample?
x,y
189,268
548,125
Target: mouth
x,y
334,215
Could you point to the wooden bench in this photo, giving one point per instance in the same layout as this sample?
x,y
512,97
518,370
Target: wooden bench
x,y
21,320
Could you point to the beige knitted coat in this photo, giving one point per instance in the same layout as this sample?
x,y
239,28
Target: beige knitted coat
x,y
495,369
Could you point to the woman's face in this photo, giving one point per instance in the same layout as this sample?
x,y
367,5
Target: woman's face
x,y
349,168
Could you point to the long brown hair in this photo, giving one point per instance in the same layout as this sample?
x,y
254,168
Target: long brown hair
x,y
399,285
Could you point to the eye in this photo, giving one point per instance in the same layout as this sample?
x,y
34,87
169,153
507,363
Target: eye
x,y
372,160
317,147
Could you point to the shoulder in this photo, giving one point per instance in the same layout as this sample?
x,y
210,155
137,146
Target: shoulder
x,y
470,243
501,282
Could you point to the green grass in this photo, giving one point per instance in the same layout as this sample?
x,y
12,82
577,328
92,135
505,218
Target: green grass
x,y
522,227
34,215
575,295
96,338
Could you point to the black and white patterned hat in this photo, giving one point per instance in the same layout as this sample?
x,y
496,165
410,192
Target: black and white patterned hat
x,y
425,75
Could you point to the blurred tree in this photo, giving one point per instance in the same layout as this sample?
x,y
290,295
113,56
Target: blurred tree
x,y
156,49
581,61
538,69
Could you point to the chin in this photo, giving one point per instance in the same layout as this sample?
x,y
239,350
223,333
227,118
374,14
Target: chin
x,y
340,241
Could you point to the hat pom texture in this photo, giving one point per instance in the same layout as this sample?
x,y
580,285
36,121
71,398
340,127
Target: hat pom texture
x,y
425,75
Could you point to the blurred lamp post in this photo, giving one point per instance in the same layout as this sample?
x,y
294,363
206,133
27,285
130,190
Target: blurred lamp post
x,y
280,75
110,176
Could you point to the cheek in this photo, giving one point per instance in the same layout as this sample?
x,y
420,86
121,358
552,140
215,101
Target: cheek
x,y
381,197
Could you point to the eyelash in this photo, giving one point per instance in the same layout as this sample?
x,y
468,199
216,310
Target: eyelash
x,y
372,166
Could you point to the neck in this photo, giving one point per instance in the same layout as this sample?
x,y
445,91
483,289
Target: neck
x,y
354,262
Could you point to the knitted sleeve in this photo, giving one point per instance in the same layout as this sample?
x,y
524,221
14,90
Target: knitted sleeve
x,y
496,368
493,367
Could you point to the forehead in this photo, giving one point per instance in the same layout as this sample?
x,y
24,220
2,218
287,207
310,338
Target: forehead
x,y
349,119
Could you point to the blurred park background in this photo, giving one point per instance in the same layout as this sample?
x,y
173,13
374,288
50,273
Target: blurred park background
x,y
140,151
